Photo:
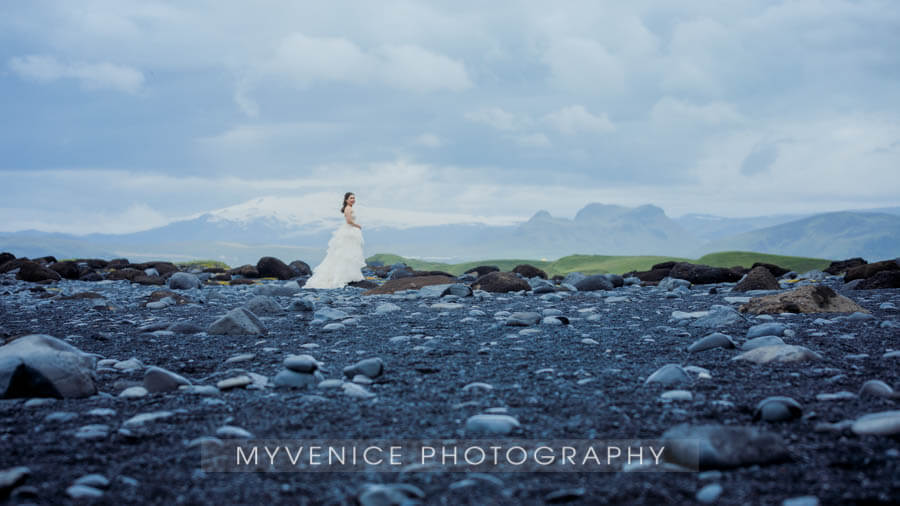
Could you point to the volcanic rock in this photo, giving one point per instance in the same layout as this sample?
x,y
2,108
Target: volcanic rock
x,y
149,280
703,274
68,270
271,267
759,278
806,299
246,271
35,272
716,340
840,266
772,268
529,271
125,274
722,447
183,281
778,354
157,379
39,365
365,284
499,282
13,264
777,409
481,270
263,305
159,295
881,280
301,268
869,270
411,283
237,322
593,283
651,276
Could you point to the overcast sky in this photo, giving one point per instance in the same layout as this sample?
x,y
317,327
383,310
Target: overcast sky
x,y
122,115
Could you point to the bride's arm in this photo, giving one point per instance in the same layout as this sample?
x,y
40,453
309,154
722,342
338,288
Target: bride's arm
x,y
348,215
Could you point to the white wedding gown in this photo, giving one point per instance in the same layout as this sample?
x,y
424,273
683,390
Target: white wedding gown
x,y
344,260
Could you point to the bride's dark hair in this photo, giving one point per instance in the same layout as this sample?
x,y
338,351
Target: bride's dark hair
x,y
346,196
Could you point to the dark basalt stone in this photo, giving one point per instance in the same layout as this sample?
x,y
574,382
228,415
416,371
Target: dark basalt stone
x,y
368,285
703,274
481,270
126,273
774,269
840,266
35,272
500,282
271,267
410,283
759,278
868,270
301,268
68,269
247,271
14,264
881,280
529,271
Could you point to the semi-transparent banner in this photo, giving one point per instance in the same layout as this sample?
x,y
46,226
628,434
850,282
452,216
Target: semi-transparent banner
x,y
472,455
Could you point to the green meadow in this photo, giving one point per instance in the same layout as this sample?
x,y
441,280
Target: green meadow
x,y
603,264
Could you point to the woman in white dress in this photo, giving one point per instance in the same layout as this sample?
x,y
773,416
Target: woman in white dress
x,y
344,260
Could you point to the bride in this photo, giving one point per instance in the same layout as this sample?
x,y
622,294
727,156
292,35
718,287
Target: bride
x,y
344,260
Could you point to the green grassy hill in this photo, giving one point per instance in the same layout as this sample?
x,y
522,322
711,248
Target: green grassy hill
x,y
600,264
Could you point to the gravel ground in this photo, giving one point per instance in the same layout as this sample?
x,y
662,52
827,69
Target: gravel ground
x,y
595,391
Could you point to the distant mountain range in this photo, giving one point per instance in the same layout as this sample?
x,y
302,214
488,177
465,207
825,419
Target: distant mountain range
x,y
285,228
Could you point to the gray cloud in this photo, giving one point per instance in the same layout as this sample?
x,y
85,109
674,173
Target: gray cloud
x,y
641,97
760,159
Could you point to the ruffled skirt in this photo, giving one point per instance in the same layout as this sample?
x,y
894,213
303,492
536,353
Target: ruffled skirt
x,y
343,262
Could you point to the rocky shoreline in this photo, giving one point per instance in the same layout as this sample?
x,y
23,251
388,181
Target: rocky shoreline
x,y
791,384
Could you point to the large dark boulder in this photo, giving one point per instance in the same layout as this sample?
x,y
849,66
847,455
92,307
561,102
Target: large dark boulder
x,y
143,279
410,283
163,268
271,267
6,257
595,282
118,263
246,271
91,276
663,265
127,273
759,278
68,269
365,284
301,268
772,268
530,271
93,263
703,274
35,272
47,260
500,282
481,270
868,270
883,279
12,265
651,276
616,280
44,366
840,266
